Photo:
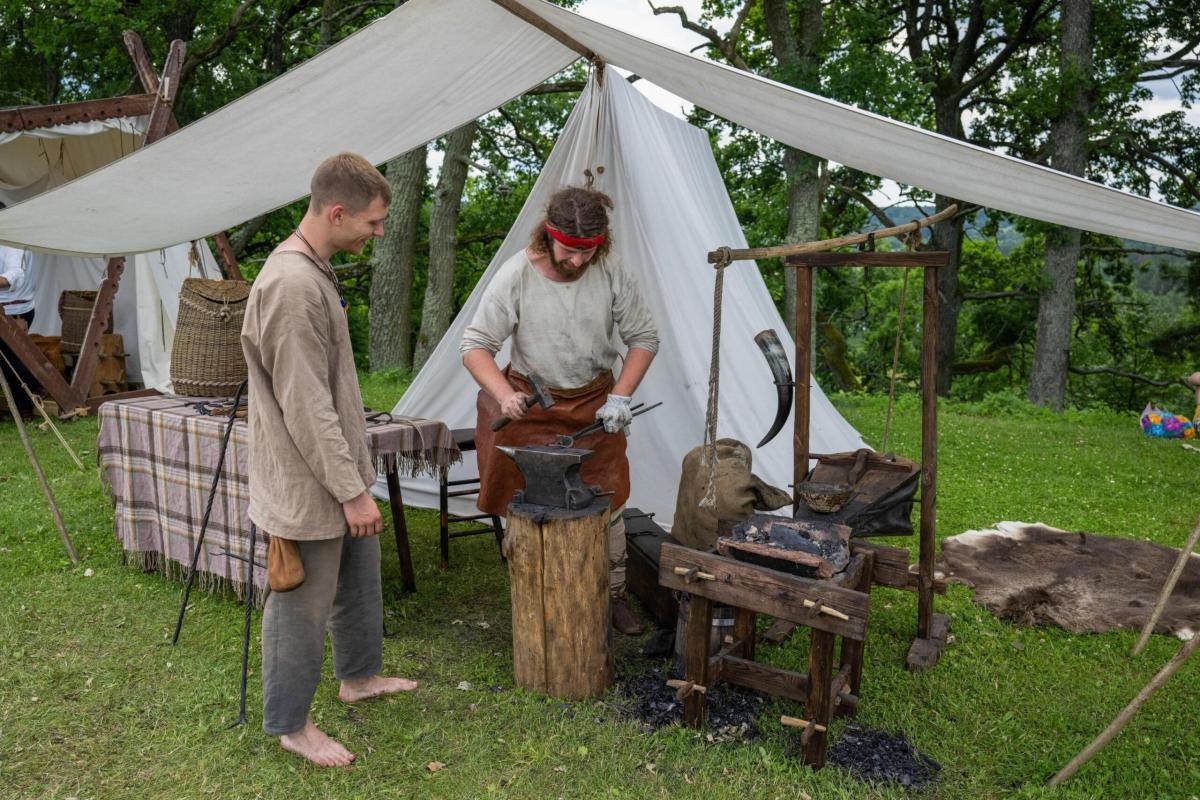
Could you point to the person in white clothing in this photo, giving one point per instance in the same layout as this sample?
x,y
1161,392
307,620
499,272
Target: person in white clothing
x,y
16,301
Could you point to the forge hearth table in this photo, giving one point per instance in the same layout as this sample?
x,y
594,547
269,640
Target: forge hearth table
x,y
833,608
157,456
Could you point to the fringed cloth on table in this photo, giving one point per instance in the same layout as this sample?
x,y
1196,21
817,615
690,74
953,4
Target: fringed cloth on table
x,y
157,459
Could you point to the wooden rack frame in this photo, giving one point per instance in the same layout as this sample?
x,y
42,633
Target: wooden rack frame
x,y
932,628
157,102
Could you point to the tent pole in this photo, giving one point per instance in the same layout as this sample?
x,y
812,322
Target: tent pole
x,y
520,11
21,344
89,351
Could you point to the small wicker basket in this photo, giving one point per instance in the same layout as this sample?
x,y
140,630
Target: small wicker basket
x,y
206,357
75,311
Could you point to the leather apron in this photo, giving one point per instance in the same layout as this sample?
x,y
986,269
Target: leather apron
x,y
573,409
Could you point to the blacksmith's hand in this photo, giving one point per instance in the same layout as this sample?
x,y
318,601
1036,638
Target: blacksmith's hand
x,y
362,515
615,414
515,405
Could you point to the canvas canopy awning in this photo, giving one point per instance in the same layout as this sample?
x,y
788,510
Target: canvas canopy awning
x,y
433,65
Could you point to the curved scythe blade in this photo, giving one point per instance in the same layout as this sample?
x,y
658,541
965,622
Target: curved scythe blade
x,y
785,385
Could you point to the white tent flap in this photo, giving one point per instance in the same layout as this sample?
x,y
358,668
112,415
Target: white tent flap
x,y
671,207
423,70
432,65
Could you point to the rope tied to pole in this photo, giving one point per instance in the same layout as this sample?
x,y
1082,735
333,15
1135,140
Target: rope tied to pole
x,y
709,453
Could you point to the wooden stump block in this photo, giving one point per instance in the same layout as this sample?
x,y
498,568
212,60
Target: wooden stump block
x,y
558,569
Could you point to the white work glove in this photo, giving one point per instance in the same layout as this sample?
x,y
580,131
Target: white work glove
x,y
615,413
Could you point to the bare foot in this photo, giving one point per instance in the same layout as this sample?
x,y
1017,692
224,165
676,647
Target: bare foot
x,y
318,747
374,686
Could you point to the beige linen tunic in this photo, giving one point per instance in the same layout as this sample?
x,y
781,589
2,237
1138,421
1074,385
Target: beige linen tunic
x,y
308,446
562,331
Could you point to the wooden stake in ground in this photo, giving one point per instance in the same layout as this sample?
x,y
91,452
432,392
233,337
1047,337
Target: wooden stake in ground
x,y
37,469
1115,726
1167,589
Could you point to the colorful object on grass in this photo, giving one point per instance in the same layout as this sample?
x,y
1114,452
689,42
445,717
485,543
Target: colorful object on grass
x,y
1165,425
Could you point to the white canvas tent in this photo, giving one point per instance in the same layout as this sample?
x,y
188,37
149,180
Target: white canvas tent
x,y
433,65
34,161
671,207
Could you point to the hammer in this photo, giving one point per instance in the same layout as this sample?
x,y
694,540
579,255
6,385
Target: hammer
x,y
540,396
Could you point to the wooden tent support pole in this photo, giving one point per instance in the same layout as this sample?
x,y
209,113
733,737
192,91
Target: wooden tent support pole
x,y
1167,589
37,469
1115,726
784,250
89,352
14,334
41,409
521,12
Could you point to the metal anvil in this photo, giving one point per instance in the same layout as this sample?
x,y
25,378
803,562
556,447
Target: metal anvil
x,y
552,476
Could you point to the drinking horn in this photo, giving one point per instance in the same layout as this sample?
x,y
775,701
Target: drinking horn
x,y
785,385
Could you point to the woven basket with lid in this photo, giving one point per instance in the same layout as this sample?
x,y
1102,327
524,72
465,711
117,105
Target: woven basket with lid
x,y
75,311
206,357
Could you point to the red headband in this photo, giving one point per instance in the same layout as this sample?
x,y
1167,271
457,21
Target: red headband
x,y
576,242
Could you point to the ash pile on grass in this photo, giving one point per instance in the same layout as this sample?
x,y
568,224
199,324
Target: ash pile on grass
x,y
645,697
879,757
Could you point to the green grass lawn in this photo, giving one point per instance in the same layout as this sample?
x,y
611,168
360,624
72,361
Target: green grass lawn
x,y
95,703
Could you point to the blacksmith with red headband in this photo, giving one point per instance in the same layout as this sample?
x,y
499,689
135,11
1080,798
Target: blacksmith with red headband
x,y
565,301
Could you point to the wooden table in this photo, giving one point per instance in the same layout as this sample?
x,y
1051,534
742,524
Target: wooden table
x,y
158,456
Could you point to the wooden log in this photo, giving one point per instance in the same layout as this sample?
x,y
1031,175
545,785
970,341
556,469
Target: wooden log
x,y
558,566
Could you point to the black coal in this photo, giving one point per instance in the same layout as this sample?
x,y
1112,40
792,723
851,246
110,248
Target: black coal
x,y
878,756
645,697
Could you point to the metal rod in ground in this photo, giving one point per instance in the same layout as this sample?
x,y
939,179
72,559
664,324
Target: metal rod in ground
x,y
37,470
1167,589
241,720
212,493
1115,726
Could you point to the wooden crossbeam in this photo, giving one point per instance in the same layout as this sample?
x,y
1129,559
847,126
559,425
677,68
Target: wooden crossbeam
x,y
765,591
34,117
161,114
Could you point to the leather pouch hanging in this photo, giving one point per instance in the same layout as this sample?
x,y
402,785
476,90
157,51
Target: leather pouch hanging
x,y
285,569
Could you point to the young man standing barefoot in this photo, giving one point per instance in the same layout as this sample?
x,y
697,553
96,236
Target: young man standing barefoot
x,y
309,465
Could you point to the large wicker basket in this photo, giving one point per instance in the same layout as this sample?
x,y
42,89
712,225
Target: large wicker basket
x,y
75,311
206,358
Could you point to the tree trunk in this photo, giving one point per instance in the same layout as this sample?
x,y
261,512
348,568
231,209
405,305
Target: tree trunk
x,y
1068,149
797,51
392,270
438,308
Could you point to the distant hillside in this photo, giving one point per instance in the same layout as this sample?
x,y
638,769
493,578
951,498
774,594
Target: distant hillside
x,y
1161,272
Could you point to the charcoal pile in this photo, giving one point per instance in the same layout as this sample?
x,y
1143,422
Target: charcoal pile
x,y
645,697
881,757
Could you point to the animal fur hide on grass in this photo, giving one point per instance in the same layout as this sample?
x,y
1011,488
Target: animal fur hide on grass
x,y
1037,575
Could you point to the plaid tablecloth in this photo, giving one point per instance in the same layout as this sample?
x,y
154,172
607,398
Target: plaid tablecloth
x,y
157,459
